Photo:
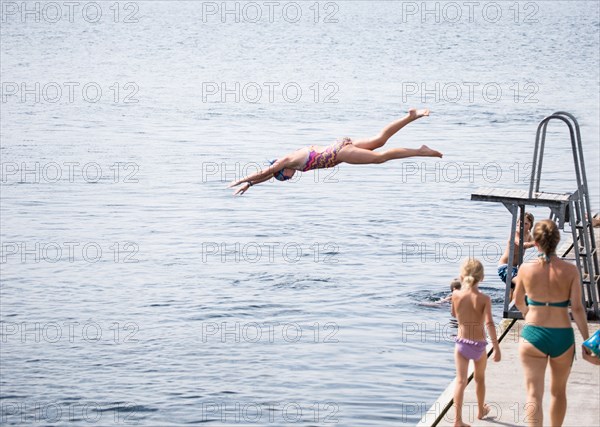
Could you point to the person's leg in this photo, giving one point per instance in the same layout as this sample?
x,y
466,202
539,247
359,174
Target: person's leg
x,y
534,367
358,156
479,376
560,368
390,130
462,368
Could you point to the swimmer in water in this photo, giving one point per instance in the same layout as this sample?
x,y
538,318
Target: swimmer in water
x,y
356,152
454,286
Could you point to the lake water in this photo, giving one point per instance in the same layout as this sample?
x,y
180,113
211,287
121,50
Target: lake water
x,y
136,289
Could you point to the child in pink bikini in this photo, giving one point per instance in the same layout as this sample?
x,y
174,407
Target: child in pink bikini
x,y
360,151
473,310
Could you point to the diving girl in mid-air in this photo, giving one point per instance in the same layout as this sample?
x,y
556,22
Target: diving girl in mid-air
x,y
359,152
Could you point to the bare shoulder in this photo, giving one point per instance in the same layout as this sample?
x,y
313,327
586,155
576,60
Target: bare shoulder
x,y
485,298
526,267
569,268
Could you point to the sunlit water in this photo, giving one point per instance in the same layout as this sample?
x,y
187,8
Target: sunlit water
x,y
299,303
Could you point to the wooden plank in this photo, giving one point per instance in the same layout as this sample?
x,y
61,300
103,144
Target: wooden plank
x,y
503,195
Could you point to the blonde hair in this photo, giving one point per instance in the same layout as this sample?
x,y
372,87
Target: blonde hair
x,y
547,236
471,271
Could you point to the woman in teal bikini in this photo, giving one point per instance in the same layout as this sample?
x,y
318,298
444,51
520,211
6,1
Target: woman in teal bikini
x,y
547,337
345,151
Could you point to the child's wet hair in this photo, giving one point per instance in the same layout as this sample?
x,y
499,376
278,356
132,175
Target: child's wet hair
x,y
455,284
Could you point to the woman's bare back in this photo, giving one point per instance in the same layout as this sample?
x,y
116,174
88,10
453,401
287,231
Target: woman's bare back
x,y
548,282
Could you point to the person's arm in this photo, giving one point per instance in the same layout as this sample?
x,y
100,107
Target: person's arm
x,y
452,310
529,242
447,299
247,184
263,175
519,294
580,317
491,328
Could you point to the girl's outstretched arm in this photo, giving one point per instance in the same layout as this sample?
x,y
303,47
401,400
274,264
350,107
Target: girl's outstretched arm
x,y
247,184
263,175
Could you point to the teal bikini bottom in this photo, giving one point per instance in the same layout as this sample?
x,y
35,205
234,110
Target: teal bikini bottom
x,y
550,341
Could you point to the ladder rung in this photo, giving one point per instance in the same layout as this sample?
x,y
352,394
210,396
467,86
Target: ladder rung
x,y
582,252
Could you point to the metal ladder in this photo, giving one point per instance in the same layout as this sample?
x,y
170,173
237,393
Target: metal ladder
x,y
573,208
578,214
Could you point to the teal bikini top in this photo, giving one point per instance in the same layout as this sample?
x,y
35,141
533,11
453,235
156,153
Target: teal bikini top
x,y
548,304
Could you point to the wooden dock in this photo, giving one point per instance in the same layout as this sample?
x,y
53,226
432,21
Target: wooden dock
x,y
505,390
521,197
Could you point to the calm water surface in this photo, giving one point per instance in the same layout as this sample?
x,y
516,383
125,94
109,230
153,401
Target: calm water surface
x,y
135,288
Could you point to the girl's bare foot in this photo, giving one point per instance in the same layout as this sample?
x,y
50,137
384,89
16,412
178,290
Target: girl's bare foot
x,y
414,114
486,410
461,424
425,151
